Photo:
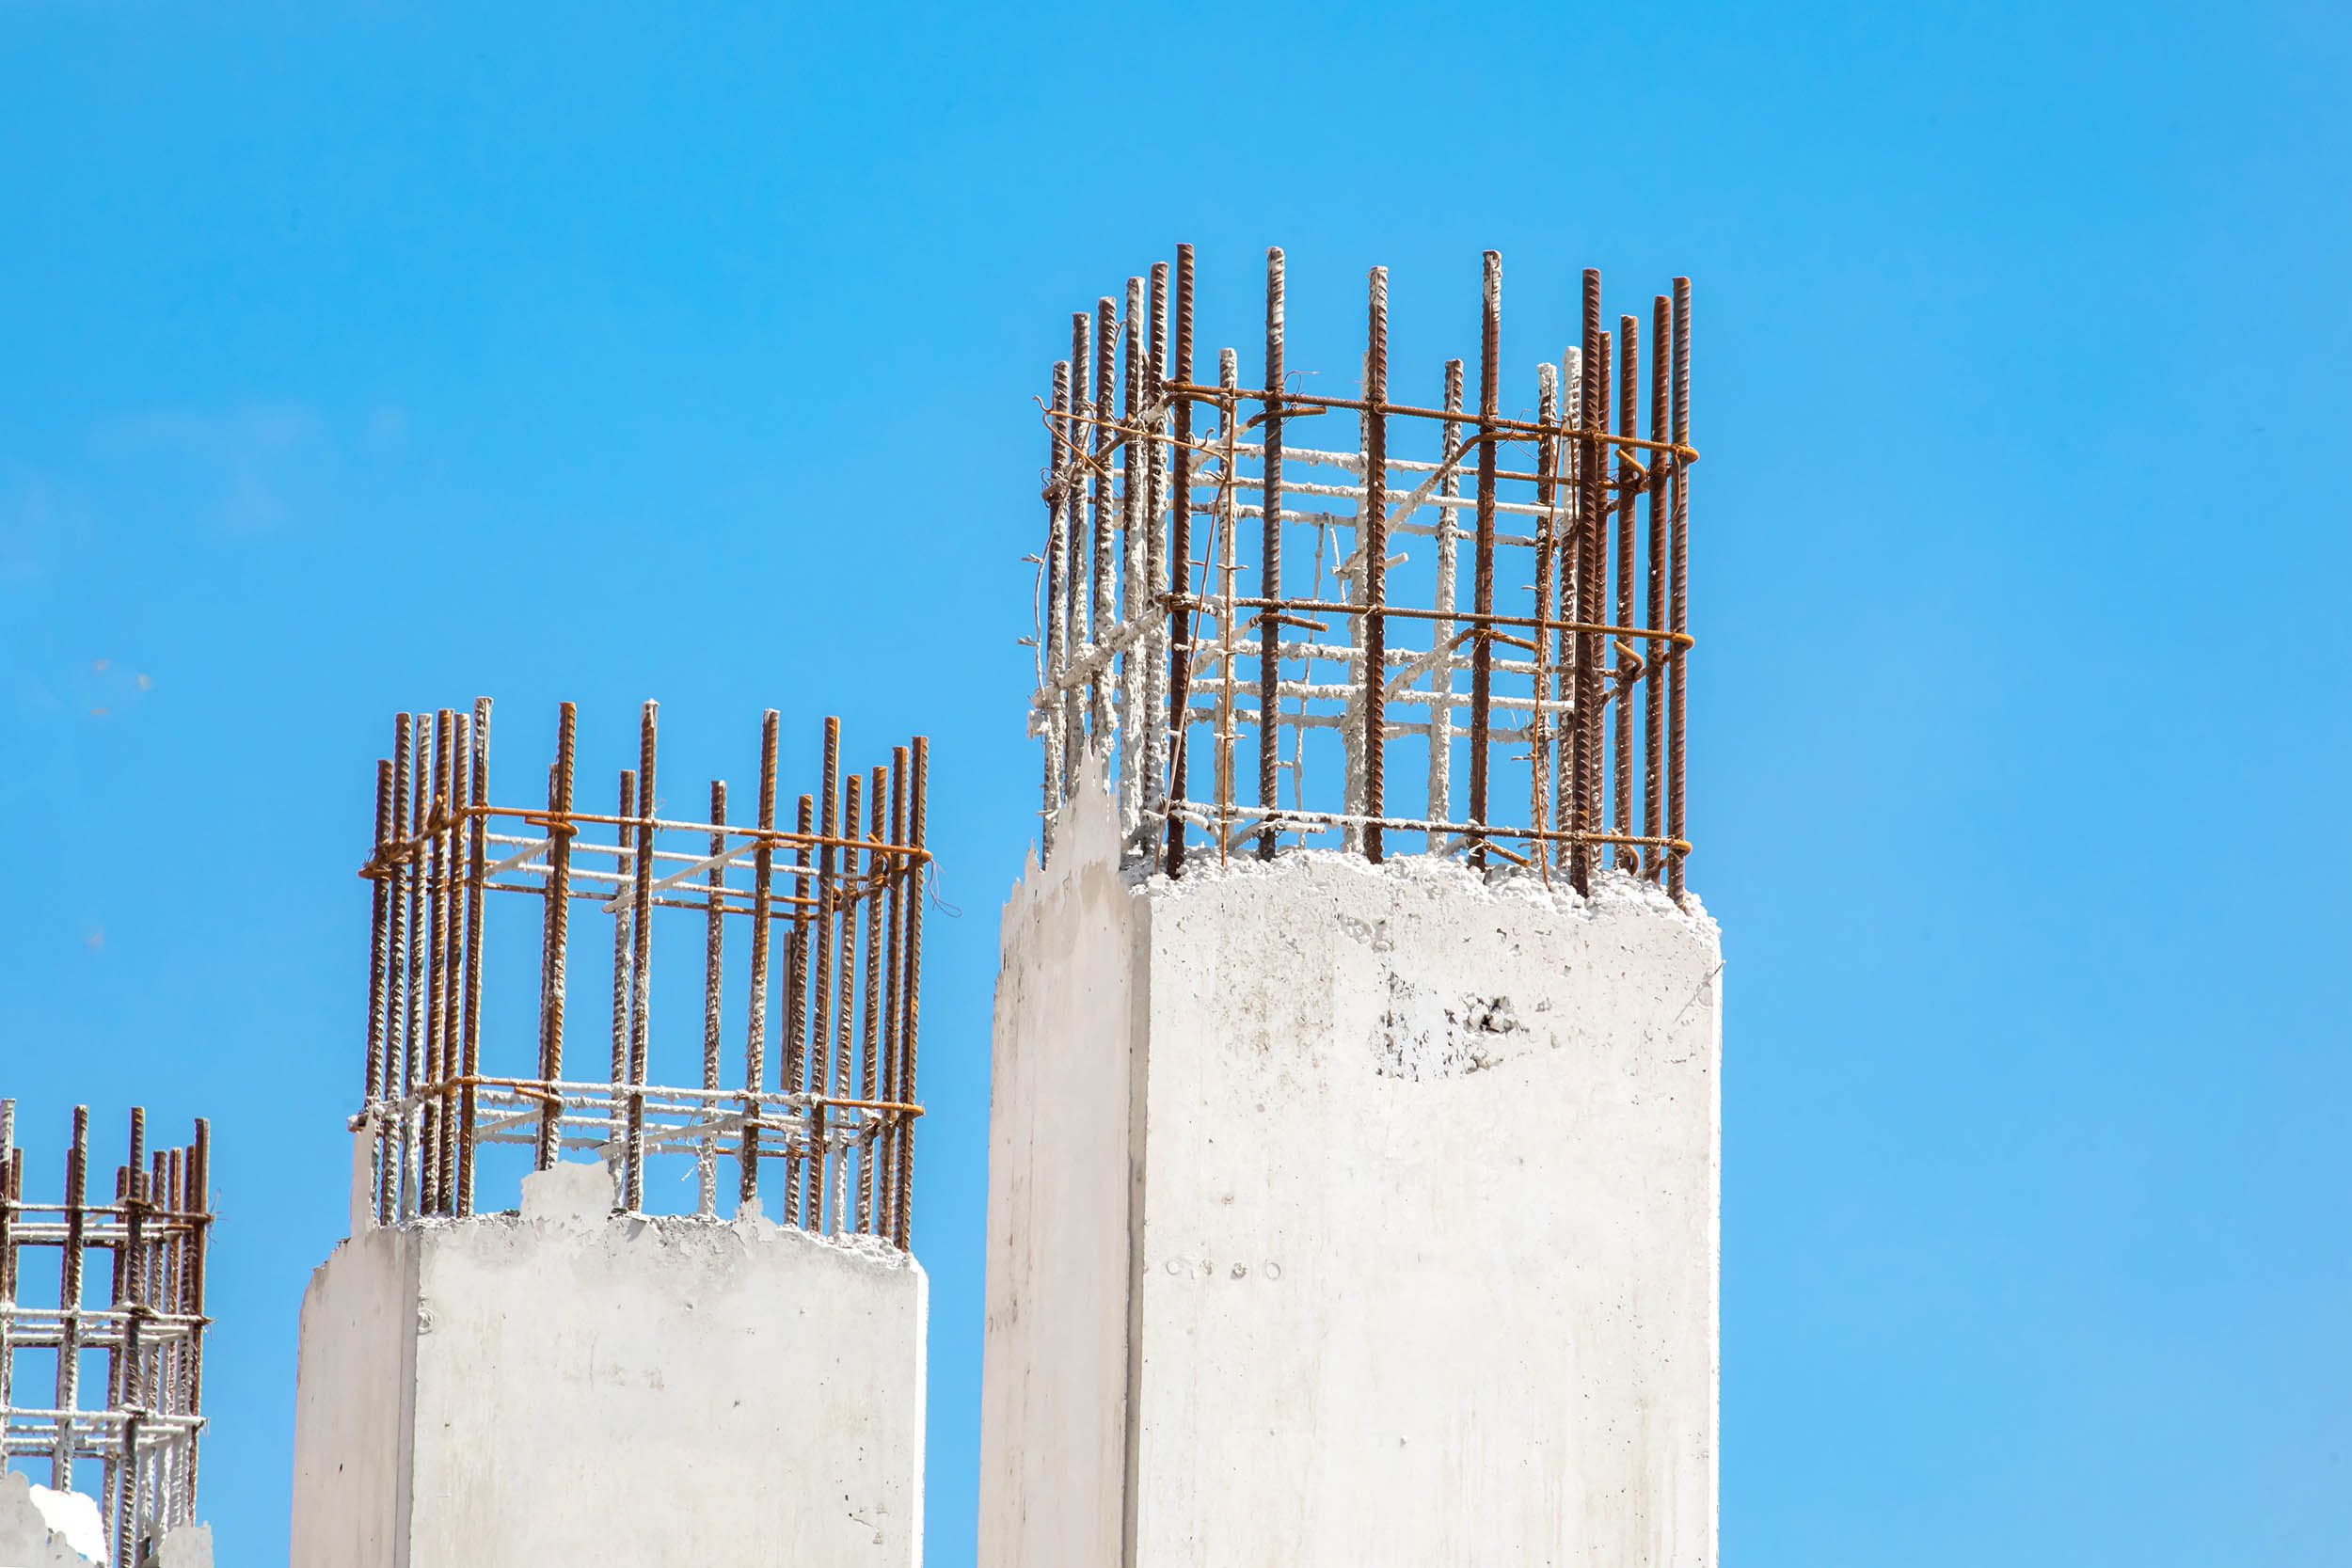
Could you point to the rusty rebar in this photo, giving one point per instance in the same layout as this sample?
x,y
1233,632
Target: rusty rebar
x,y
911,993
379,949
1055,654
437,977
1270,559
1099,486
641,958
555,929
453,973
478,796
390,1088
68,1379
894,998
1483,596
796,995
1679,609
852,804
820,1020
1620,704
870,1042
756,1025
1584,743
1440,782
1180,566
1374,547
1654,658
714,938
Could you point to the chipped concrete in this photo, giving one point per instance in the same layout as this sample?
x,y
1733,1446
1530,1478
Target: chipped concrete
x,y
1342,1214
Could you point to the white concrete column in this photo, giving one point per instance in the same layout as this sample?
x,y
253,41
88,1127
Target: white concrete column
x,y
1342,1214
566,1387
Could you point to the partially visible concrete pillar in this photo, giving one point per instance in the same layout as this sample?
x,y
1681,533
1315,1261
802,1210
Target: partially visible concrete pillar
x,y
1345,1214
565,1387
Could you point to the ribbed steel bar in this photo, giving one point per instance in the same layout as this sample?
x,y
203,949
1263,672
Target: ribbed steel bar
x,y
828,921
902,885
640,959
379,969
1584,756
1656,657
796,995
453,971
1374,547
414,867
911,993
869,1043
1055,655
1180,566
714,949
1483,594
1270,557
1440,784
390,1158
1104,518
69,1378
839,1079
437,978
1679,609
555,928
1621,688
478,777
755,1024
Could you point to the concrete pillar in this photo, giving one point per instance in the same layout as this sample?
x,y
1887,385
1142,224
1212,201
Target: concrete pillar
x,y
1342,1214
564,1386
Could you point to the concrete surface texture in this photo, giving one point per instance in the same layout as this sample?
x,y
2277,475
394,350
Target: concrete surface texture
x,y
568,1385
1343,1215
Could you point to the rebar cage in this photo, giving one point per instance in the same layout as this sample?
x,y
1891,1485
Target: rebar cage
x,y
1557,680
840,889
134,1452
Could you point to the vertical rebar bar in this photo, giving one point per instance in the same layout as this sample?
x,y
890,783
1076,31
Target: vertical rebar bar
x,y
911,994
556,936
1655,653
903,872
412,1028
453,974
1679,547
820,1020
796,988
68,1379
624,985
9,1165
1621,687
714,938
1180,567
756,1028
640,959
838,1081
1055,655
1135,592
1157,566
1546,550
1441,646
391,1140
379,949
1582,758
471,1064
877,868
1270,563
436,977
1482,645
1077,639
1099,485
1375,549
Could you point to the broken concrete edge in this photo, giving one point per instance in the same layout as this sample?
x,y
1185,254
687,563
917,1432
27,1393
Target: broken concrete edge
x,y
43,1528
580,1194
1087,830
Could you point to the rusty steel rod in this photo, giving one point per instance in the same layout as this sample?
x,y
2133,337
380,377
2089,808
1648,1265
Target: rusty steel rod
x,y
714,950
796,997
1483,594
1679,610
820,1020
1373,550
1180,565
756,1021
1655,660
918,791
556,926
1270,555
478,796
1621,710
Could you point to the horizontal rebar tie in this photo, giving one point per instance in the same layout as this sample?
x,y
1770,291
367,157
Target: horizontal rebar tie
x,y
841,891
1577,628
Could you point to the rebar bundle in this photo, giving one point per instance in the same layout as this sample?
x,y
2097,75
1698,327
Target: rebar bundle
x,y
151,1241
1300,619
832,1100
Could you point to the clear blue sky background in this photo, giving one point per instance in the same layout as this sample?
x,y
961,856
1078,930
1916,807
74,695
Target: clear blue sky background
x,y
361,355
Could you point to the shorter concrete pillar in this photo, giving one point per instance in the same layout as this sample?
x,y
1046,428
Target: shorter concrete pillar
x,y
565,1386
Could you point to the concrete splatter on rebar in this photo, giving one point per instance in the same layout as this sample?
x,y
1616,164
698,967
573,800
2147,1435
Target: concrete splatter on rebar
x,y
141,1435
1169,652
838,1112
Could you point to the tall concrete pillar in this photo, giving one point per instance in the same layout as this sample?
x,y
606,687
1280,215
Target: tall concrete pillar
x,y
568,1385
1343,1214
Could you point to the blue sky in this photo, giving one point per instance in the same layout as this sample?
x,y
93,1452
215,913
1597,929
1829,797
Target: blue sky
x,y
359,355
